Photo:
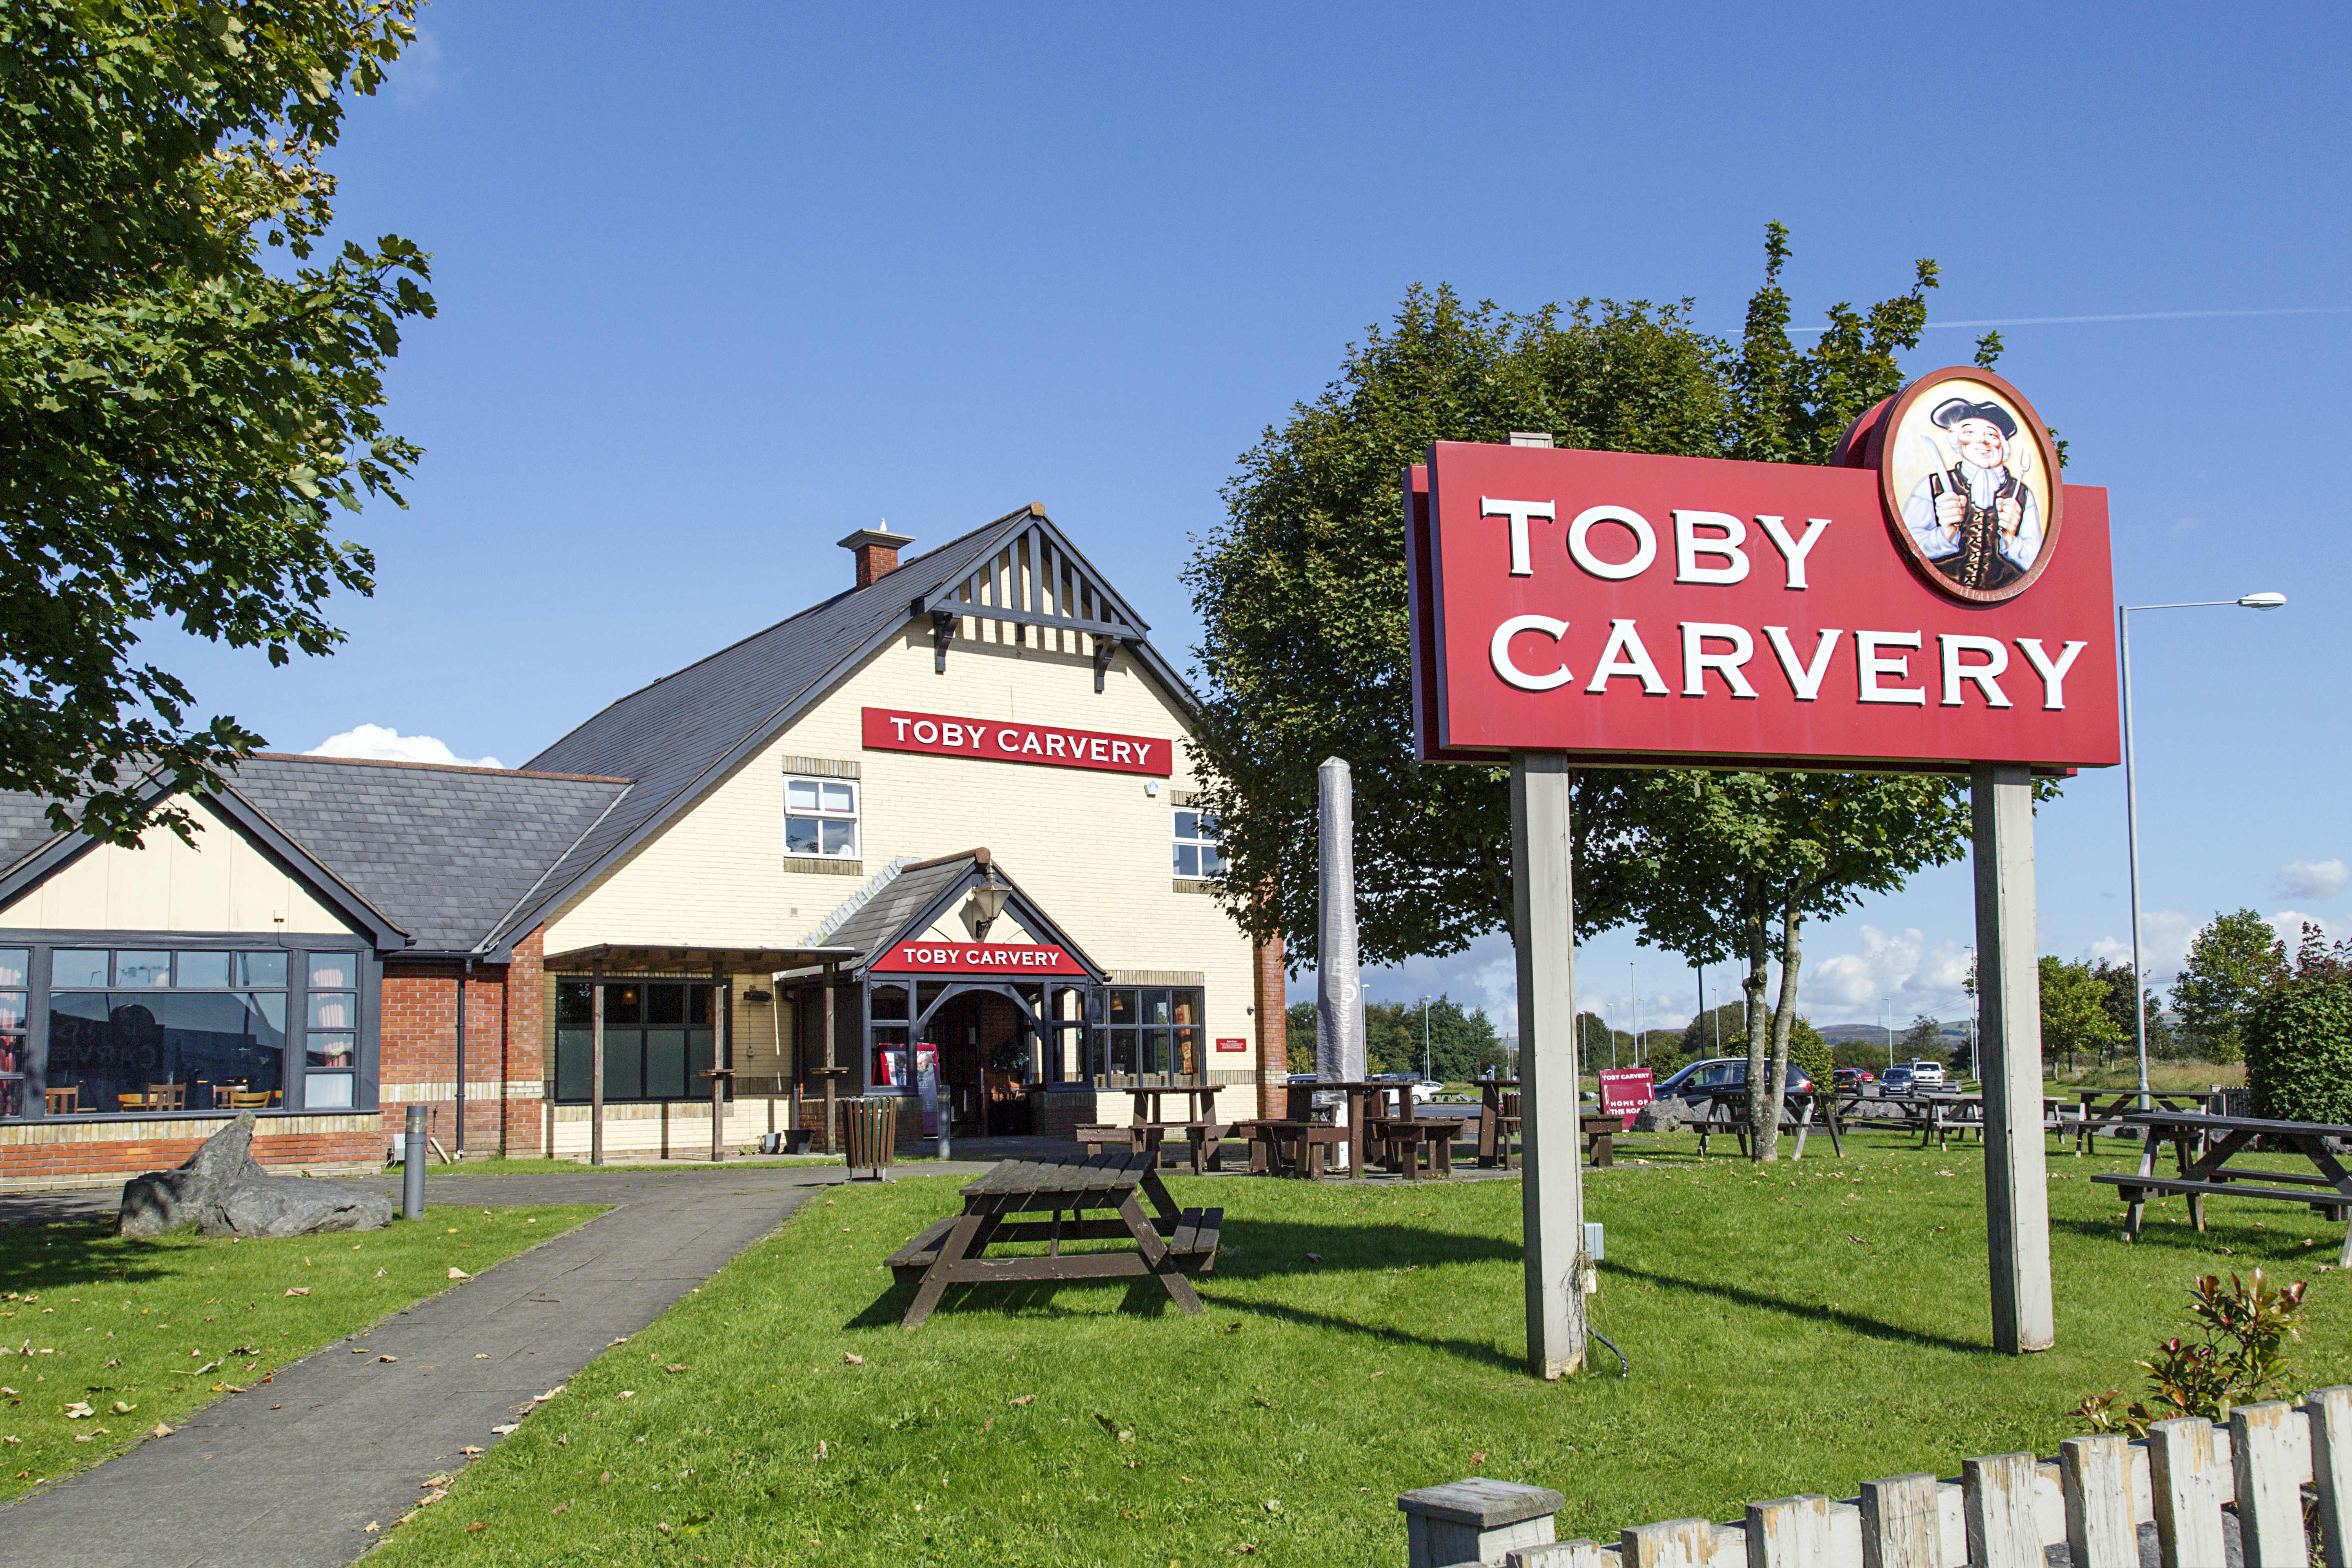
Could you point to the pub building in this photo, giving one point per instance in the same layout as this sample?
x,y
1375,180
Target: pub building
x,y
950,809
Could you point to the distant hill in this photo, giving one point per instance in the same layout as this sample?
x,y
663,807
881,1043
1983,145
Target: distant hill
x,y
1875,1033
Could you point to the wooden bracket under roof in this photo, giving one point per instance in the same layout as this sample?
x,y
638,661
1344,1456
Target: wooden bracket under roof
x,y
1035,580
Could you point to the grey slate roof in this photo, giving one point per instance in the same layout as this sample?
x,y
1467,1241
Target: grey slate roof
x,y
446,854
678,735
885,915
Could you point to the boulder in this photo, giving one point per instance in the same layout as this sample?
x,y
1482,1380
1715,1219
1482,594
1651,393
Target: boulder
x,y
167,1200
226,1192
1664,1116
293,1206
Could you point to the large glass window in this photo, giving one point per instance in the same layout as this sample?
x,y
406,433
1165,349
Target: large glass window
x,y
1148,1031
331,1052
891,1067
821,818
657,1041
15,1055
1196,844
147,1031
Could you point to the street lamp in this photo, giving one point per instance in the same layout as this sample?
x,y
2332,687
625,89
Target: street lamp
x,y
1425,1039
2131,799
1887,1005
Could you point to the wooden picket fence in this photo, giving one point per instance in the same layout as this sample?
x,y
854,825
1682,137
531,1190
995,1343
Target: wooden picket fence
x,y
2199,1484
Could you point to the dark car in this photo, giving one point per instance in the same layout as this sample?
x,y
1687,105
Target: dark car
x,y
1853,1078
1696,1080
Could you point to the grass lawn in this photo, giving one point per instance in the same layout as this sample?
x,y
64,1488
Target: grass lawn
x,y
1800,1327
145,1332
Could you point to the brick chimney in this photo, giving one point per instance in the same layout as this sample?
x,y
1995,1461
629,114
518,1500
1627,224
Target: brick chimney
x,y
877,552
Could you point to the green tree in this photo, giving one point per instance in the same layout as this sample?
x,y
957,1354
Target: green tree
x,y
180,411
2117,979
2298,1039
2074,1016
2232,961
1924,1041
1811,1053
1298,1030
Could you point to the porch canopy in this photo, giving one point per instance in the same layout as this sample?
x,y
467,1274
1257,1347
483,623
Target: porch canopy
x,y
637,961
633,959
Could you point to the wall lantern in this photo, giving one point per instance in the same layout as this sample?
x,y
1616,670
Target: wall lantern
x,y
988,902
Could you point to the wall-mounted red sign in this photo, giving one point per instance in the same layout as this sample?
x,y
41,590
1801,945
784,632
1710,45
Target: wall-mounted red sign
x,y
977,958
1233,1045
1003,741
1646,610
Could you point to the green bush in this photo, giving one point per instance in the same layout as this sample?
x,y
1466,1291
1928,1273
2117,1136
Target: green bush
x,y
2299,1050
1809,1051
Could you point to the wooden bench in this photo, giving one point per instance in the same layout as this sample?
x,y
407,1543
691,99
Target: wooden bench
x,y
2206,1144
1299,1147
1193,1242
1143,1140
1406,1144
1208,1144
908,1263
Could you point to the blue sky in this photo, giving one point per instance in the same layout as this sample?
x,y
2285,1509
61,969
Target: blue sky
x,y
718,284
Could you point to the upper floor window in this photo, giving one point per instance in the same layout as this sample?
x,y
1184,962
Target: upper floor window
x,y
1196,844
821,817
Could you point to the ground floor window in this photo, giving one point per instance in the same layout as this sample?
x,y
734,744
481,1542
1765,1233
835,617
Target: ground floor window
x,y
657,1041
1142,1031
163,1029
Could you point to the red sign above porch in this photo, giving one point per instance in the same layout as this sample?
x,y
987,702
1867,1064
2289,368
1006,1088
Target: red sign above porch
x,y
1003,740
977,958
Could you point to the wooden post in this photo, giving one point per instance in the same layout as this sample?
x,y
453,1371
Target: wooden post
x,y
596,1066
2008,989
2102,1526
718,1000
2268,1444
1998,1501
1551,1191
1901,1524
831,1115
1788,1532
2186,1473
2330,1410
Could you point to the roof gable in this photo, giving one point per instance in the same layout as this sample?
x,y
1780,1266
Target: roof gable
x,y
683,732
921,895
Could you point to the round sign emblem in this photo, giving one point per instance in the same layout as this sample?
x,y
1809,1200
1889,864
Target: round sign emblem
x,y
1970,481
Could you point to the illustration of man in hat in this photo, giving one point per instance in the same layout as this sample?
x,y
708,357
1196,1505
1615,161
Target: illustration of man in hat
x,y
1974,516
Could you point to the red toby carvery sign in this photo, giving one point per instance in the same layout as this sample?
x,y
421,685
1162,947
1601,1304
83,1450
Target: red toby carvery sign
x,y
1003,740
1950,604
977,958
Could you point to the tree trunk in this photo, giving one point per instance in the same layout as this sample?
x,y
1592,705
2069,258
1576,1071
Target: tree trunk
x,y
1784,1012
1752,928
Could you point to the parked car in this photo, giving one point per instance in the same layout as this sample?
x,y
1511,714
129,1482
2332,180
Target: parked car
x,y
1301,1078
1853,1078
1927,1072
1897,1081
1695,1081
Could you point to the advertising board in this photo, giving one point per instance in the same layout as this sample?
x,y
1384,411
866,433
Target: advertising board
x,y
1644,610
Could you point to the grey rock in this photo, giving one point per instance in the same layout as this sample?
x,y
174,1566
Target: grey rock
x,y
291,1205
222,1190
1664,1116
164,1201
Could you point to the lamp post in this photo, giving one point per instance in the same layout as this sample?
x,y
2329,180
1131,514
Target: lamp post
x,y
2131,798
1887,1005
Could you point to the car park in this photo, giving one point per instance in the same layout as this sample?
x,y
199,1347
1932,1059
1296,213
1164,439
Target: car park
x,y
1695,1081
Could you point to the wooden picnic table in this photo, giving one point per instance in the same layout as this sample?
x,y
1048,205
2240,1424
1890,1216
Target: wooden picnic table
x,y
1971,1113
1365,1100
1797,1107
1200,1102
2205,1145
1169,1244
2098,1114
1499,1117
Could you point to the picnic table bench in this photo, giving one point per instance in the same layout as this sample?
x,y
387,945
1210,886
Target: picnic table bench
x,y
1500,1125
2109,1113
1726,1111
1169,1244
2204,1145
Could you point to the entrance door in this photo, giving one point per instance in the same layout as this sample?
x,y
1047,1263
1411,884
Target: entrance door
x,y
983,1061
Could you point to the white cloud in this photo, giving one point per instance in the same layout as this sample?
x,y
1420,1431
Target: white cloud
x,y
2313,879
1901,968
377,743
2164,938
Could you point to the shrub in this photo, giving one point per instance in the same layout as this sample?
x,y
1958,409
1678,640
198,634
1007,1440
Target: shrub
x,y
2298,1039
2241,1359
1809,1051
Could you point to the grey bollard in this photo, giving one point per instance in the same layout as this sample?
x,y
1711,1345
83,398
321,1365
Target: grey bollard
x,y
411,1166
1476,1521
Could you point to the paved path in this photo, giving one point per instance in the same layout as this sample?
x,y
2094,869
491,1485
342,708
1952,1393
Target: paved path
x,y
289,1474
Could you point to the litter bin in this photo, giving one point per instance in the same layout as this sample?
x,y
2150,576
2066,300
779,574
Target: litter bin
x,y
870,1130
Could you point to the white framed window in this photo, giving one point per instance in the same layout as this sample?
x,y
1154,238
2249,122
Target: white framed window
x,y
1196,844
821,818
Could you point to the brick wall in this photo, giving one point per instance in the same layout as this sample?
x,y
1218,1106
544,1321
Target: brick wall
x,y
34,1154
504,1051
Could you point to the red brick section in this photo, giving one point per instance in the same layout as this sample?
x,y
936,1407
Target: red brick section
x,y
174,1143
504,1014
523,1127
1273,1047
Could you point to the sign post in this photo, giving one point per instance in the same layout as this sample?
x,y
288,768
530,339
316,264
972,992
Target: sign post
x,y
1935,600
1551,1189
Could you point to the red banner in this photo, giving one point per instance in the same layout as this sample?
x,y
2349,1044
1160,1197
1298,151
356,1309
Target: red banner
x,y
977,958
1647,610
1003,741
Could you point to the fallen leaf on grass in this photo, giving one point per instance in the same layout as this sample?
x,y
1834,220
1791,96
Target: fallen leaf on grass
x,y
544,1398
559,1508
506,1430
822,1451
1022,1399
853,1359
429,1498
477,1524
299,1291
676,1366
604,1479
455,1273
120,1408
469,1448
160,1431
1477,1459
77,1410
627,1393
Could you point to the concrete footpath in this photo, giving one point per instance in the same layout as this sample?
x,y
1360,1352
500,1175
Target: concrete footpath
x,y
290,1473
